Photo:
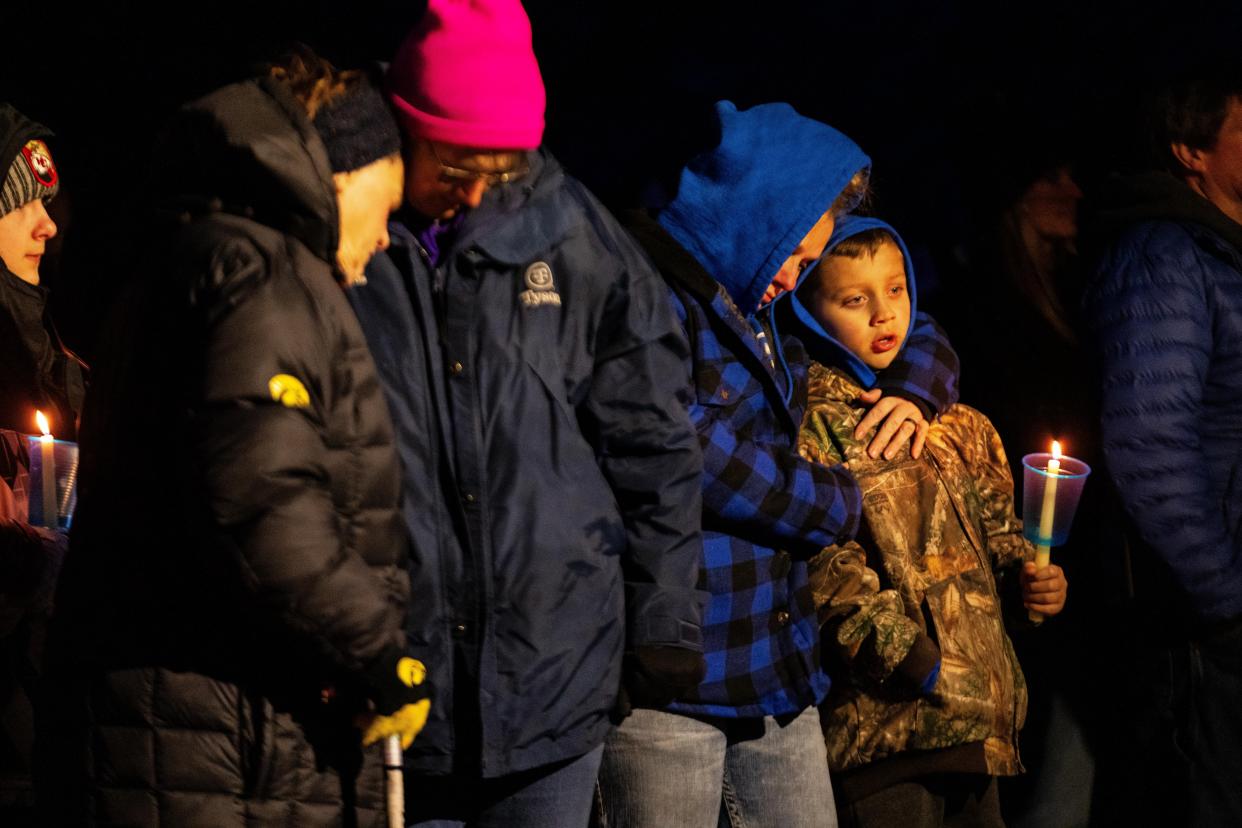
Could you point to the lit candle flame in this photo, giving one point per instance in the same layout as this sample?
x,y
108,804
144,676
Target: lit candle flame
x,y
1056,450
42,421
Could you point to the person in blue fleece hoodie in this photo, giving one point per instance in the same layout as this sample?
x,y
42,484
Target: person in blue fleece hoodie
x,y
912,612
749,216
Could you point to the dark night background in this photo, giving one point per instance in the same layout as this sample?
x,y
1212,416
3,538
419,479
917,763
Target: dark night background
x,y
952,100
958,103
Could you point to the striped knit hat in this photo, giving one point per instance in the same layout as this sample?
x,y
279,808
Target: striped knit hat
x,y
31,173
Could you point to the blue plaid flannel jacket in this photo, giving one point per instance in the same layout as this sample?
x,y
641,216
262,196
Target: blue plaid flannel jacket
x,y
765,508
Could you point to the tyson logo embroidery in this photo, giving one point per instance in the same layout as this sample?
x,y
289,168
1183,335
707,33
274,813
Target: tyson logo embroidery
x,y
540,289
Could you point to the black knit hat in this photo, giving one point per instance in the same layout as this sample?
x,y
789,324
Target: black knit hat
x,y
29,171
357,128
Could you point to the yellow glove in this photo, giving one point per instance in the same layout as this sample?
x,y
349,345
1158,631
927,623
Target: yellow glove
x,y
407,723
401,694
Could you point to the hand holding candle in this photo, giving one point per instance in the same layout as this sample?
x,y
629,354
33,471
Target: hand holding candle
x,y
1043,589
1052,484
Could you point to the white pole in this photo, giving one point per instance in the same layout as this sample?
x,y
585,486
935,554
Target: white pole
x,y
394,780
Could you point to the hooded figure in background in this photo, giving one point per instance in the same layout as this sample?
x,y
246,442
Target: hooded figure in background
x,y
236,594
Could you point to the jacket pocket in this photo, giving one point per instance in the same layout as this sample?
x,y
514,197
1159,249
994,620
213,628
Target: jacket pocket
x,y
724,384
547,370
963,706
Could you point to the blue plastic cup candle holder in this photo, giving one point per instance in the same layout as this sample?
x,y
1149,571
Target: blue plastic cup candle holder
x,y
1062,501
58,513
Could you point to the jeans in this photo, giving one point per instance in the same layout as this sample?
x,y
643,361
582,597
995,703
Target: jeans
x,y
668,769
552,796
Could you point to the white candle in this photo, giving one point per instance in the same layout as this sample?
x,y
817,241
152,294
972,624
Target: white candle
x,y
47,454
1049,504
1043,552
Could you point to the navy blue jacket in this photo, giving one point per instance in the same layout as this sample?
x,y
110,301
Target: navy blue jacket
x,y
1166,313
551,472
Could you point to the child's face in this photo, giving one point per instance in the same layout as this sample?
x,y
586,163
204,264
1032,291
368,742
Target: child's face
x,y
864,303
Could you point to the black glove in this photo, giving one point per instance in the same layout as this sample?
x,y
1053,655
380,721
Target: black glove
x,y
655,675
396,679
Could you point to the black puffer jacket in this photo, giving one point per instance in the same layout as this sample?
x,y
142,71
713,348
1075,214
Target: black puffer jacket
x,y
238,548
38,372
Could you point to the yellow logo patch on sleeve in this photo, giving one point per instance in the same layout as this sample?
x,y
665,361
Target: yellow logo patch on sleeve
x,y
288,391
411,671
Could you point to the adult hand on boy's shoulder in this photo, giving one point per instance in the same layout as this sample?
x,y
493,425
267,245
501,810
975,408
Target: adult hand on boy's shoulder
x,y
1043,590
902,421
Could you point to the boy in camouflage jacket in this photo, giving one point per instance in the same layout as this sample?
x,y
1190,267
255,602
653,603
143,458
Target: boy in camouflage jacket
x,y
927,696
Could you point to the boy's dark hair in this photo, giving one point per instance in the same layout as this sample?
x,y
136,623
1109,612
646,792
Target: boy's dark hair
x,y
1191,110
866,243
862,244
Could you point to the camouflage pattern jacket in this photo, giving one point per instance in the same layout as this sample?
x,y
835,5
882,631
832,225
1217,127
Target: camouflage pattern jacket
x,y
939,545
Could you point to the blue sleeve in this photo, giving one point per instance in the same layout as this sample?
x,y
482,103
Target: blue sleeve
x,y
756,485
1150,311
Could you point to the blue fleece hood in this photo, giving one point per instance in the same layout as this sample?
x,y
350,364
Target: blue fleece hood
x,y
742,207
791,316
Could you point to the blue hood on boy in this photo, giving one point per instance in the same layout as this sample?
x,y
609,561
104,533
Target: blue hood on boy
x,y
742,207
791,316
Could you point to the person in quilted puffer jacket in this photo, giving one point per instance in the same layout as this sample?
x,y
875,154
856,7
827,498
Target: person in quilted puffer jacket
x,y
232,609
1165,309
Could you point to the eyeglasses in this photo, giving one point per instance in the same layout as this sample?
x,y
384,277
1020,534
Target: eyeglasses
x,y
462,176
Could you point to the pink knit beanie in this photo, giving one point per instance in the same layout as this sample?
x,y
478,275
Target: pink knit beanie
x,y
467,75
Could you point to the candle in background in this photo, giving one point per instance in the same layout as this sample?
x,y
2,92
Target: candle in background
x,y
47,456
